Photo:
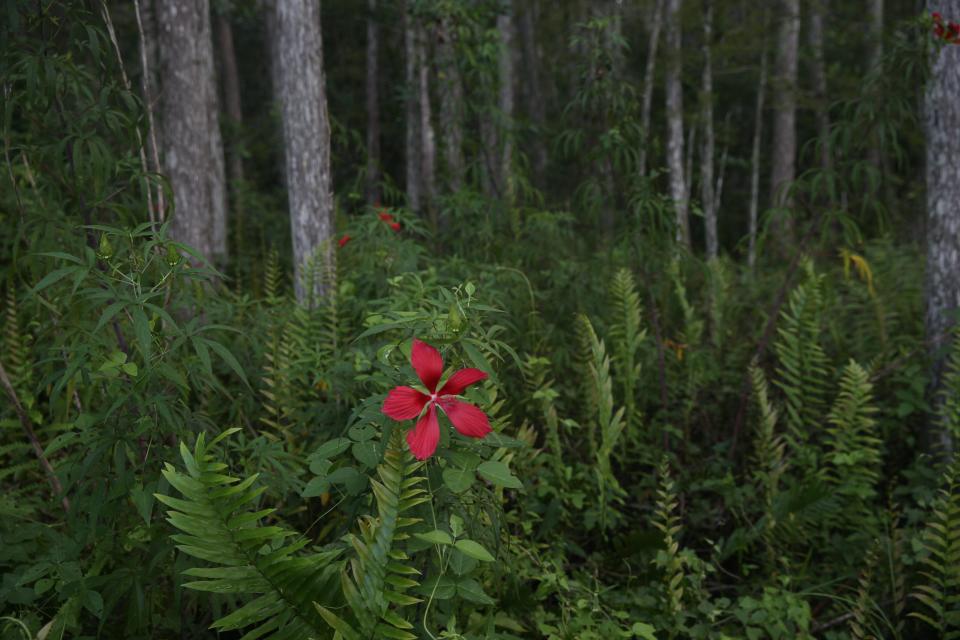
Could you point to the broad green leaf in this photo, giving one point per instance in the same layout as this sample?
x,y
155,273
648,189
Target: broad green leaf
x,y
227,357
458,480
438,587
141,326
332,448
368,453
643,630
474,550
499,474
435,537
53,277
470,589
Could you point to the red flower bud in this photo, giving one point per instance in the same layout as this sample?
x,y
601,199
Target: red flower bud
x,y
395,226
936,16
386,217
344,240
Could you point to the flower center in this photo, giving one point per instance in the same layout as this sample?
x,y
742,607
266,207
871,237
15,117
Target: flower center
x,y
433,397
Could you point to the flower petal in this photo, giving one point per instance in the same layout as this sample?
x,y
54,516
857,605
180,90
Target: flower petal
x,y
460,381
424,437
466,418
403,403
428,364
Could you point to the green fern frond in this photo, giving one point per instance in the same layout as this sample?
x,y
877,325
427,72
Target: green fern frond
x,y
852,445
272,278
939,594
607,422
219,526
769,452
897,580
626,336
802,374
860,620
278,377
15,344
718,279
948,409
540,389
377,582
669,560
690,336
586,336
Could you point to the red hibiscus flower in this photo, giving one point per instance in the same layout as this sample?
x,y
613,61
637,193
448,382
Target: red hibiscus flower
x,y
405,403
344,240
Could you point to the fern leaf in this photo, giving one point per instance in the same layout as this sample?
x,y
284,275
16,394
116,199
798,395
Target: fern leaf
x,y
374,589
939,594
217,525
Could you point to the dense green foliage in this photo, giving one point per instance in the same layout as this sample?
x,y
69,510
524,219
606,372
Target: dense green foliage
x,y
681,449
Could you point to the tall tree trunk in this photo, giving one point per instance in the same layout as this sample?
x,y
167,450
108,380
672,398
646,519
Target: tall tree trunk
x,y
876,62
533,93
674,106
783,169
656,20
709,141
688,165
451,104
755,156
942,120
216,172
373,105
149,82
306,137
230,77
269,16
614,37
412,90
428,153
876,33
191,130
505,101
819,72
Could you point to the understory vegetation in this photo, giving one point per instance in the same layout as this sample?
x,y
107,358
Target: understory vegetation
x,y
680,447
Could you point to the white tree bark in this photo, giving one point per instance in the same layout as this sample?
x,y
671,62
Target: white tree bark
x,y
216,173
190,128
533,92
656,21
755,157
505,101
876,32
709,140
233,105
818,70
876,61
942,121
428,146
306,137
373,105
674,106
412,90
783,168
451,104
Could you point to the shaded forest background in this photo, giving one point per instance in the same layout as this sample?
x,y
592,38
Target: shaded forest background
x,y
706,252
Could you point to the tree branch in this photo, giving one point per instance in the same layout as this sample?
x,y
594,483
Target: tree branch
x,y
27,425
